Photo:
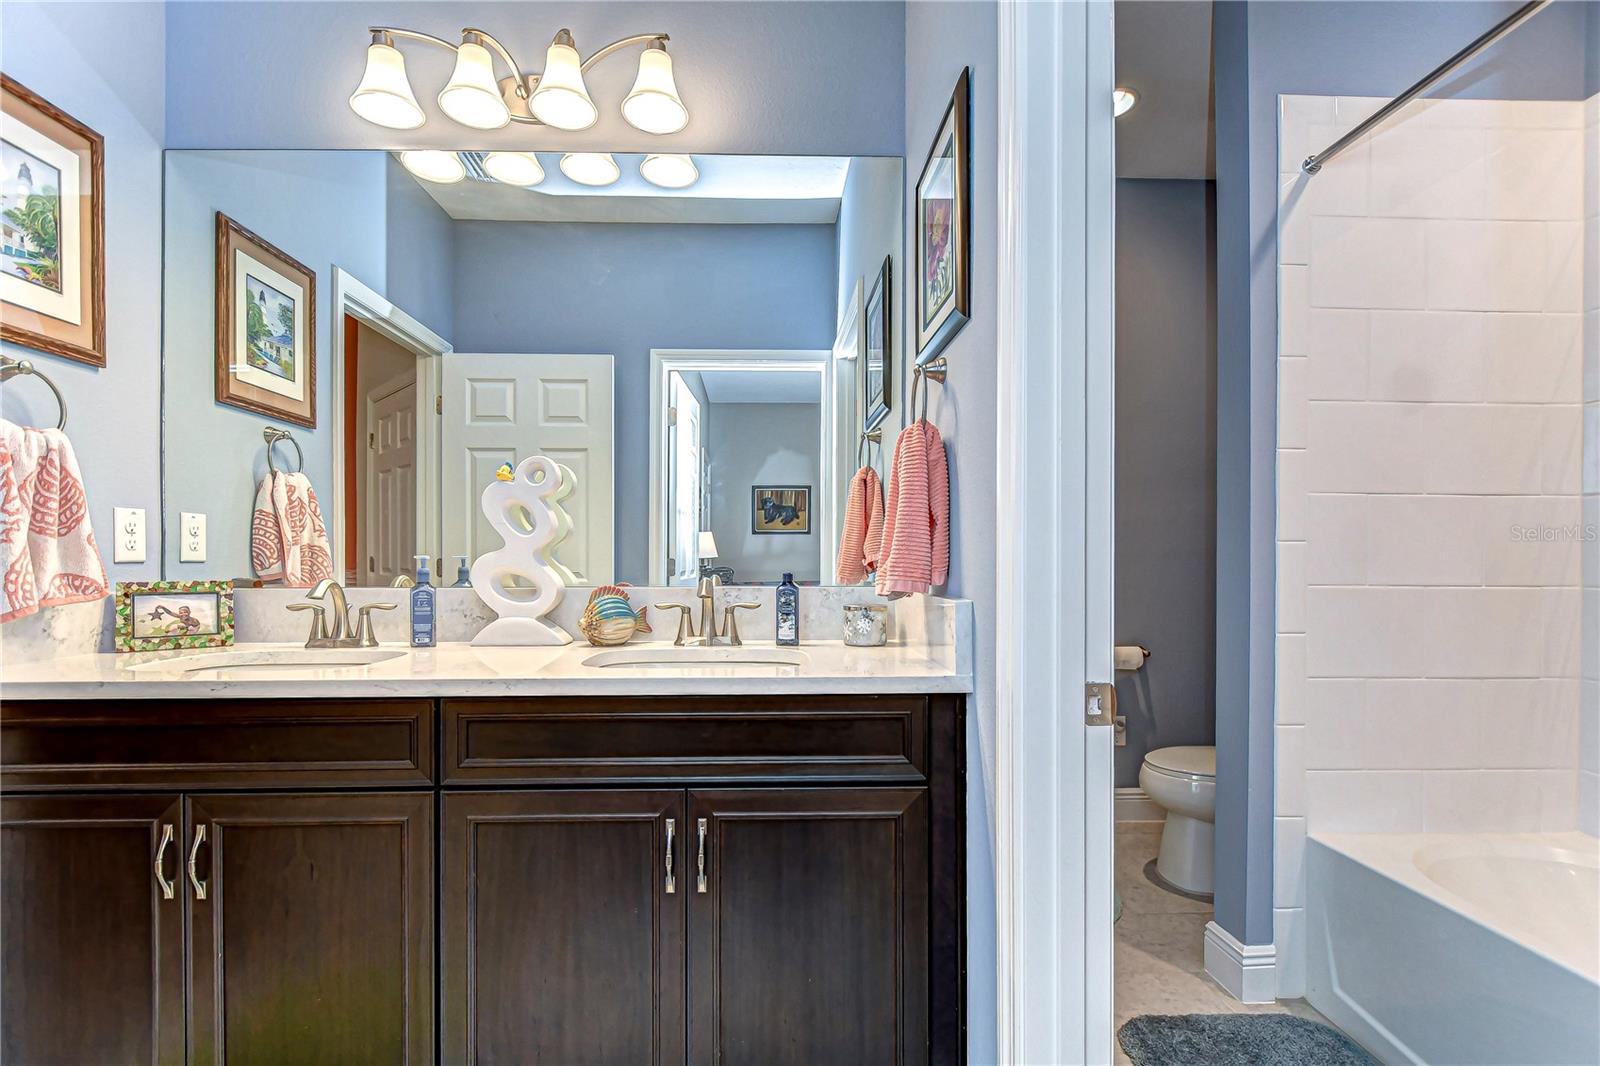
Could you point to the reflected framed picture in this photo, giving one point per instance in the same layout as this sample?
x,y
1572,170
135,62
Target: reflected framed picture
x,y
780,509
162,615
266,327
52,229
877,363
944,231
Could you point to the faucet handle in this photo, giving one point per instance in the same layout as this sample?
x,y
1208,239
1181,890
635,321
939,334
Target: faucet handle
x,y
685,626
365,637
319,622
730,626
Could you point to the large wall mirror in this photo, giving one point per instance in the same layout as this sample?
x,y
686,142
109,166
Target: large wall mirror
x,y
397,328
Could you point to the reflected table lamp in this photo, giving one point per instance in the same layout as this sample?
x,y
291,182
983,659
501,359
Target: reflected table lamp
x,y
708,550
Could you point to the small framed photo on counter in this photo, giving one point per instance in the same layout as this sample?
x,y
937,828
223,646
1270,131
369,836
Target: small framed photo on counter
x,y
163,615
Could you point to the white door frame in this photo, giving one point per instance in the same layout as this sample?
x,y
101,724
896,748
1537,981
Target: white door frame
x,y
1053,782
666,360
371,308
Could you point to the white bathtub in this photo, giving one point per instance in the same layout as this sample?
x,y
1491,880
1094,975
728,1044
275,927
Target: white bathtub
x,y
1455,950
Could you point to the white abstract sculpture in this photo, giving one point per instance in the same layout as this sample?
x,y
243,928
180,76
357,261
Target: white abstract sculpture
x,y
523,512
569,485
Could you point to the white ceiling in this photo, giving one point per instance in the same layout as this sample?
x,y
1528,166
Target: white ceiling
x,y
731,189
762,386
1164,54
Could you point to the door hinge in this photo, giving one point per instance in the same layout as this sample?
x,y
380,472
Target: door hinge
x,y
1099,703
438,405
672,416
372,442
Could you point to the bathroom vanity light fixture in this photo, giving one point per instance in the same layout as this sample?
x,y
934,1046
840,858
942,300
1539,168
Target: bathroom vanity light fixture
x,y
590,168
669,171
475,98
514,168
441,168
1122,101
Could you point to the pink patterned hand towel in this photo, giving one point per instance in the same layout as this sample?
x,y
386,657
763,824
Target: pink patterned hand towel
x,y
916,525
288,541
47,552
860,547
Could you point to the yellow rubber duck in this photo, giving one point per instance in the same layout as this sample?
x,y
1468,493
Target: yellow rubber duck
x,y
505,473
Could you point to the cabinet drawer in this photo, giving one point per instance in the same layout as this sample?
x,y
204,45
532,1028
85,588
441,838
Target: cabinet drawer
x,y
222,743
882,738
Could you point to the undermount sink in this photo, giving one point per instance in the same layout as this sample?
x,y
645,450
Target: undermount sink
x,y
266,661
675,658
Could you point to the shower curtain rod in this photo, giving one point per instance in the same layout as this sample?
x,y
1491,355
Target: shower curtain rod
x,y
1522,14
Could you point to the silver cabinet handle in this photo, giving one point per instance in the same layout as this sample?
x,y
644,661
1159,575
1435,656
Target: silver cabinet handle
x,y
700,858
168,889
194,859
672,882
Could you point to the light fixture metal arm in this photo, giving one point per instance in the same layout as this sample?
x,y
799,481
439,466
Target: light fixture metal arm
x,y
410,35
617,46
505,53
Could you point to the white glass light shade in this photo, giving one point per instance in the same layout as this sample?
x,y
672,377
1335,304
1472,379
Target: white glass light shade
x,y
514,168
561,99
471,97
708,545
590,168
1122,101
384,96
441,168
669,171
654,106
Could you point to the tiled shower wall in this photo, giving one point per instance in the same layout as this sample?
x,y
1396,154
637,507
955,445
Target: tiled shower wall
x,y
1430,477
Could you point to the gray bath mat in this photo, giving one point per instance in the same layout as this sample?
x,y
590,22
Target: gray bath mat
x,y
1237,1040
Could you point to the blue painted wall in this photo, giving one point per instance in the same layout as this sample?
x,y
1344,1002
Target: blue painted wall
x,y
941,38
105,64
621,290
419,252
802,77
1262,51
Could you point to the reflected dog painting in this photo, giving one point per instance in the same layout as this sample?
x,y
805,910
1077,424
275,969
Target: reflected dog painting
x,y
781,509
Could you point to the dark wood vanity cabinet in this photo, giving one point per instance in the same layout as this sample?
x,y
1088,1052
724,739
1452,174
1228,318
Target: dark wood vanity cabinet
x,y
689,880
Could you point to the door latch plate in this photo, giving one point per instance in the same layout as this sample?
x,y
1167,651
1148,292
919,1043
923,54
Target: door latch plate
x,y
1099,703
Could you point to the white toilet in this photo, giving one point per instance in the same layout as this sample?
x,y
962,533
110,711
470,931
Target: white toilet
x,y
1183,782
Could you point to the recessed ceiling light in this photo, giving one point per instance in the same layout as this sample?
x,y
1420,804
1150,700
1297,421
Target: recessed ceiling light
x,y
1122,101
514,168
441,168
669,171
590,168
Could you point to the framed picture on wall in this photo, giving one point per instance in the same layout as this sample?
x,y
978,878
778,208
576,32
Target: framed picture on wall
x,y
266,327
780,509
161,615
944,231
52,229
877,363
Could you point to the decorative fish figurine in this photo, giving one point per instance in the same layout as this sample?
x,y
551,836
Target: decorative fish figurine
x,y
506,472
609,619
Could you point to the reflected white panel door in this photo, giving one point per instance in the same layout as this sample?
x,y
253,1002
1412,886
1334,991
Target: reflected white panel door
x,y
504,407
686,490
390,523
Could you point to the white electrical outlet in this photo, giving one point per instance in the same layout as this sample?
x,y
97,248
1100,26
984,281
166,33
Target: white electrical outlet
x,y
127,534
191,537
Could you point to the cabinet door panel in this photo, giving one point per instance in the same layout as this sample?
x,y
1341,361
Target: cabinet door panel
x,y
810,941
314,943
560,941
91,950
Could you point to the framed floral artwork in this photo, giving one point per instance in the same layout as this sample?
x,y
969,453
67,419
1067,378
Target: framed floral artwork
x,y
266,327
162,615
944,230
52,228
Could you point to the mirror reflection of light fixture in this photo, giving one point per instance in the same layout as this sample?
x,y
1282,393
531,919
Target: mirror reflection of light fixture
x,y
471,96
475,97
441,168
384,96
654,105
1122,101
590,168
707,548
669,171
514,168
561,99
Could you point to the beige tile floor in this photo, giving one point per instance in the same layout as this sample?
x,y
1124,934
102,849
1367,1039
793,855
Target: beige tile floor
x,y
1160,944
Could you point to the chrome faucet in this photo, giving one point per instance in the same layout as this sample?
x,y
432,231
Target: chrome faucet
x,y
341,634
707,591
709,635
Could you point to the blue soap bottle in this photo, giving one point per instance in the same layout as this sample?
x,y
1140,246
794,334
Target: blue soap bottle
x,y
788,611
422,603
463,574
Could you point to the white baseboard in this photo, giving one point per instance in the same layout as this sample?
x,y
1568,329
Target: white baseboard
x,y
1247,971
1132,805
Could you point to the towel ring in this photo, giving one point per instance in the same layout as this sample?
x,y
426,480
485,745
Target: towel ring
x,y
934,370
272,435
10,368
875,436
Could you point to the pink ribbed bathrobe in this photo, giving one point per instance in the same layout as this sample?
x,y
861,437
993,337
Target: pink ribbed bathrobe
x,y
916,524
860,548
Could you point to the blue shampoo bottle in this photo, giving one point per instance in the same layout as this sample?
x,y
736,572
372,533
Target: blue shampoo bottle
x,y
422,607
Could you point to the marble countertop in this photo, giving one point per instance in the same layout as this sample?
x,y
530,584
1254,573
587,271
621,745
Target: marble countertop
x,y
463,670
